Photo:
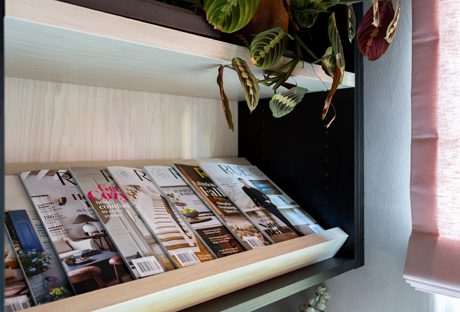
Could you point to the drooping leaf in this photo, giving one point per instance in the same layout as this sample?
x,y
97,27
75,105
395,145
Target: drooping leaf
x,y
248,82
391,29
229,16
224,99
330,94
371,40
351,23
336,43
267,48
282,104
328,62
375,13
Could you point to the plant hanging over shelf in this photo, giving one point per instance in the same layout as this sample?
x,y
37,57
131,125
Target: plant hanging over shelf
x,y
271,36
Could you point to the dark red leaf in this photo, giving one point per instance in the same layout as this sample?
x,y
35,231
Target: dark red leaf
x,y
371,39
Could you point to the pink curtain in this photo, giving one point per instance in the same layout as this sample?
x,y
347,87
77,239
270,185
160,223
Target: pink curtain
x,y
433,256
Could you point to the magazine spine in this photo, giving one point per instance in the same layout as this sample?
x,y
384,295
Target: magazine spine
x,y
40,217
211,207
133,206
178,214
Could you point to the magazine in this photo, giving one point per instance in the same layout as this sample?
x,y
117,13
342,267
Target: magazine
x,y
211,230
239,184
177,238
17,295
44,274
140,251
83,247
222,206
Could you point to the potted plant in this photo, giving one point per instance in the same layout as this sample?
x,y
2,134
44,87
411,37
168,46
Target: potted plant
x,y
35,263
269,26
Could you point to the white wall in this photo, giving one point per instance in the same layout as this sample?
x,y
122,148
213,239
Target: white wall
x,y
379,285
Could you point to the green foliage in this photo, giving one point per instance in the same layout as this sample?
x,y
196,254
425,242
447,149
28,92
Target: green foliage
x,y
34,262
229,16
282,104
268,47
249,83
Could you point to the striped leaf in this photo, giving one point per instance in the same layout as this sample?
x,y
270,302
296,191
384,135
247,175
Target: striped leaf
x,y
391,29
328,62
229,16
248,82
268,47
282,104
224,99
351,23
375,13
336,44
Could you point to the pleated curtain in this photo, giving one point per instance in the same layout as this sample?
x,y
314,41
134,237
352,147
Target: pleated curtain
x,y
433,255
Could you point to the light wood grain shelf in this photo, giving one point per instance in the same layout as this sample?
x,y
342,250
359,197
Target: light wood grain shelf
x,y
186,287
56,41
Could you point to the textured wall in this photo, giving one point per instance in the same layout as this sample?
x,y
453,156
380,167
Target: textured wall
x,y
379,285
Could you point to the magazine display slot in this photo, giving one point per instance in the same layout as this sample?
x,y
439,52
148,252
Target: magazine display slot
x,y
88,91
202,282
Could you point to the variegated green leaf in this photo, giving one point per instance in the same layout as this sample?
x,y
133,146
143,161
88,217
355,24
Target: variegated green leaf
x,y
248,82
229,16
351,23
268,47
391,30
328,62
224,99
336,43
282,104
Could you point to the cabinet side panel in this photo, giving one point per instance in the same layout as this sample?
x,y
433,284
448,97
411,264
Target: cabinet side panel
x,y
312,164
49,121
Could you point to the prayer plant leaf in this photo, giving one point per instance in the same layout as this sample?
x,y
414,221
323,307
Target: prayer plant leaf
x,y
268,47
328,62
391,29
248,82
330,95
224,99
229,16
336,44
375,13
351,23
372,41
282,104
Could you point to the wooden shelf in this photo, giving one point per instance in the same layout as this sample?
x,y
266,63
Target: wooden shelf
x,y
199,283
56,41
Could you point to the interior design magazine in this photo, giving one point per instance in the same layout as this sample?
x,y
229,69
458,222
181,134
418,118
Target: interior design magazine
x,y
177,238
43,272
213,232
138,247
80,241
239,184
260,191
216,200
15,288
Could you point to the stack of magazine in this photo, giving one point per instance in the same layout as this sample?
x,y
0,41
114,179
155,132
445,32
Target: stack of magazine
x,y
70,231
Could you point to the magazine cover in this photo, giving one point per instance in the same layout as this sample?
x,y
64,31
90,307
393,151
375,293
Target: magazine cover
x,y
177,238
15,290
141,252
83,247
44,274
211,230
216,200
238,186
